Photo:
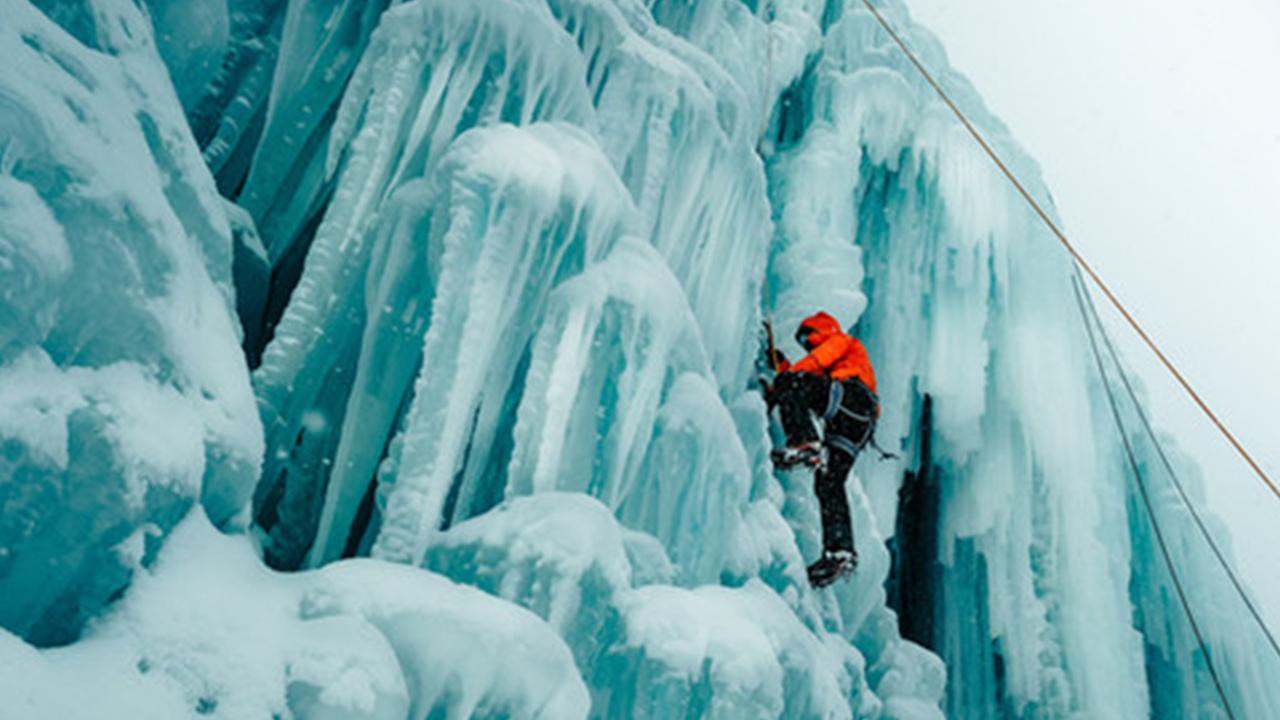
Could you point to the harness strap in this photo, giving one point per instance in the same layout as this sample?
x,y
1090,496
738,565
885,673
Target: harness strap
x,y
836,398
845,445
856,416
835,406
884,454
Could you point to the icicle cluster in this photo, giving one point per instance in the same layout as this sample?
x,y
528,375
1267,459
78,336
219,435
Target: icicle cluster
x,y
500,270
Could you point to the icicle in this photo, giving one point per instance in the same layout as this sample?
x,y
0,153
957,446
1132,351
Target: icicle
x,y
514,232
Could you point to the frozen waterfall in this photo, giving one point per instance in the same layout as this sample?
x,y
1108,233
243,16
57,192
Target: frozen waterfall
x,y
398,359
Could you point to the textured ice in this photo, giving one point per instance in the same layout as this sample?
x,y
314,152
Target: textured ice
x,y
620,403
938,231
209,632
123,399
651,650
321,42
412,94
499,270
515,230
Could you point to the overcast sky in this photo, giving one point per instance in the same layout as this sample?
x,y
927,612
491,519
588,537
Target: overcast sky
x,y
1157,125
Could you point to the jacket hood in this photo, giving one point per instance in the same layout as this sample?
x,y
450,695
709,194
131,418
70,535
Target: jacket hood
x,y
823,325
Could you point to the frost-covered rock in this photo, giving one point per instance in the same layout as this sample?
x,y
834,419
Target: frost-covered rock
x,y
209,632
123,399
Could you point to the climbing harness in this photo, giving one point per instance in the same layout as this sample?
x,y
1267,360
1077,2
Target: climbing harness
x,y
835,406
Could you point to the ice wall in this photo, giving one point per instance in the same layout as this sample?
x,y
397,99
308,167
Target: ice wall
x,y
123,399
1037,533
1179,572
500,269
967,309
488,312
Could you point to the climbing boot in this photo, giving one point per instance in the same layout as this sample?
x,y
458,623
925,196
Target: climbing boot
x,y
810,455
833,565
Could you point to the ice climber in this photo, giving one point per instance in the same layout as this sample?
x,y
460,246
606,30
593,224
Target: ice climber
x,y
833,384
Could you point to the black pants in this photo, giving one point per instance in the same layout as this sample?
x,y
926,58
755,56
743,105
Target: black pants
x,y
847,409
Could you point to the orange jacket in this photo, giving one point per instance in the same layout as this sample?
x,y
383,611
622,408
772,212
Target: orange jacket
x,y
835,353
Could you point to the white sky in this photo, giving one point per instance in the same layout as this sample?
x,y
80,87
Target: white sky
x,y
1157,125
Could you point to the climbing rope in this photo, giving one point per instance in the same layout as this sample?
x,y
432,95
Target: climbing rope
x,y
1078,288
1146,501
1173,475
1080,261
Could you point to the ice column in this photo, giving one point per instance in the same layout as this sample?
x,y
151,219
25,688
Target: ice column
x,y
431,71
518,212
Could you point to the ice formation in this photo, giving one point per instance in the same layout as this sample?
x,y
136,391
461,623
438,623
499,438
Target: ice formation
x,y
493,274
123,398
